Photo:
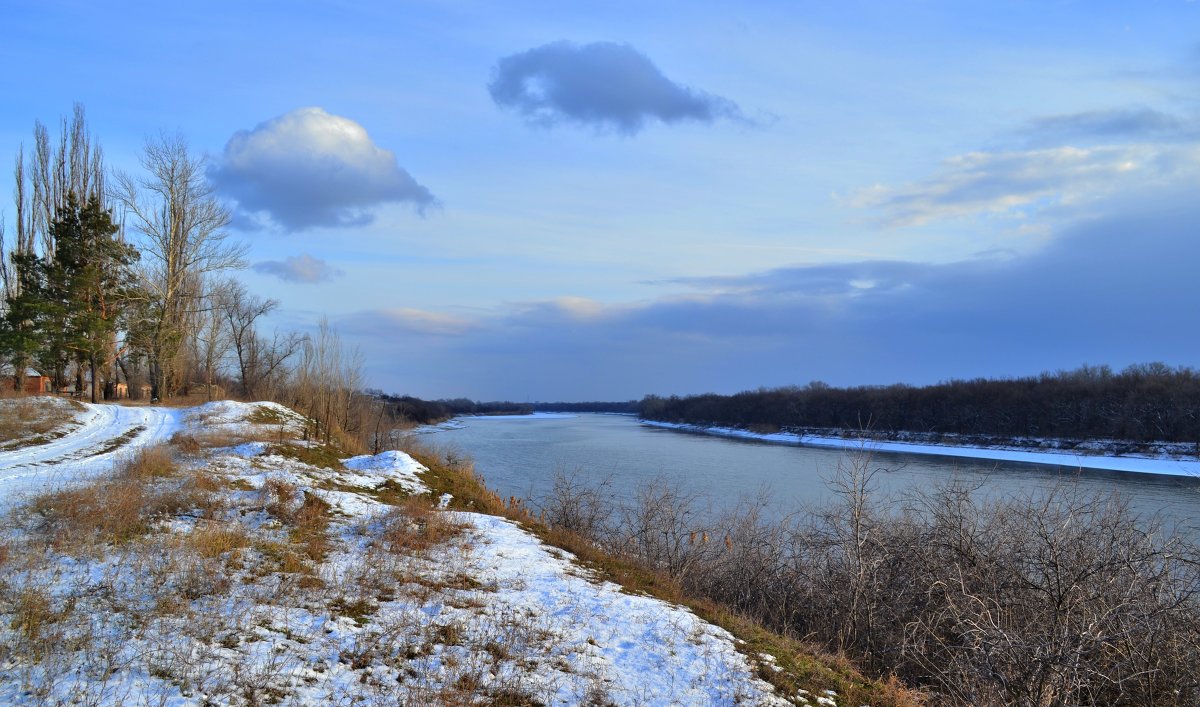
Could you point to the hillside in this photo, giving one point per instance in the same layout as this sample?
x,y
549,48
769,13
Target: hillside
x,y
209,556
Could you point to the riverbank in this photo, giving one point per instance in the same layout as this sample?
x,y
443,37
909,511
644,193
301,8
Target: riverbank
x,y
1089,456
288,571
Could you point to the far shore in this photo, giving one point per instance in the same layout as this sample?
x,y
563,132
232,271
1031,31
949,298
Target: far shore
x,y
1163,464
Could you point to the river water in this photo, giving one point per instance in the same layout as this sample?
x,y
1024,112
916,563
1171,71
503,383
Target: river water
x,y
519,456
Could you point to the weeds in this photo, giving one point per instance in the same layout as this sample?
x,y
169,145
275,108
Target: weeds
x,y
414,527
213,540
32,612
29,421
321,456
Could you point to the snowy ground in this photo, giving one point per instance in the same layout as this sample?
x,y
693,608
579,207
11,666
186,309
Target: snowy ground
x,y
294,583
1163,464
91,440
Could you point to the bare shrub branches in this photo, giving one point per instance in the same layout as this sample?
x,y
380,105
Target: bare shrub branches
x,y
1047,599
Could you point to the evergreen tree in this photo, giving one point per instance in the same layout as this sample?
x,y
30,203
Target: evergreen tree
x,y
90,282
22,327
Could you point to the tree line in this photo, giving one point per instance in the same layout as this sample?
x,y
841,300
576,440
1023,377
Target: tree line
x,y
115,283
425,412
1141,403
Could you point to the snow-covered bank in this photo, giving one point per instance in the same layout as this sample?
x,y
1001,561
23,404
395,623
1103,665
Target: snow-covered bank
x,y
1166,465
245,599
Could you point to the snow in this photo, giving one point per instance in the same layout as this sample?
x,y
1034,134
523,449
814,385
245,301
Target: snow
x,y
490,611
95,440
1141,464
101,435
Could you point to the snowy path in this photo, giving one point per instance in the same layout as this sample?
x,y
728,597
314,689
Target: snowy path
x,y
100,435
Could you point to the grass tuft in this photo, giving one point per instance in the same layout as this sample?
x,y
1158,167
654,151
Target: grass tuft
x,y
414,527
214,540
324,456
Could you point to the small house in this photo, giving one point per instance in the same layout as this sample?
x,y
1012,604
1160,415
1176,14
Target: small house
x,y
35,382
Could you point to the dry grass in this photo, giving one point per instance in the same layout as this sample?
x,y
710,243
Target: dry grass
x,y
414,527
324,456
28,421
453,473
148,463
306,518
278,497
105,512
310,527
186,444
803,665
214,439
32,612
216,539
119,507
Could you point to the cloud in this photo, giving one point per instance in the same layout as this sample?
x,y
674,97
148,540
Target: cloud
x,y
1135,124
1115,289
387,324
603,84
308,168
1018,182
303,269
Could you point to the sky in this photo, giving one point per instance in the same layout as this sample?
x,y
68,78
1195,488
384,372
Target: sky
x,y
598,201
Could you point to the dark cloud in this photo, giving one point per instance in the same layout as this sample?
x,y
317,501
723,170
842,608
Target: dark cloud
x,y
304,269
308,168
1117,289
1135,124
604,84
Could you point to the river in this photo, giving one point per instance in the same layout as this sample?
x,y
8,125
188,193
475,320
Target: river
x,y
519,456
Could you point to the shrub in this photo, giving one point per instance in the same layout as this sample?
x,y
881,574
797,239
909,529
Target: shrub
x,y
1058,598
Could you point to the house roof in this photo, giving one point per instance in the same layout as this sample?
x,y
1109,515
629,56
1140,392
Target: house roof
x,y
7,370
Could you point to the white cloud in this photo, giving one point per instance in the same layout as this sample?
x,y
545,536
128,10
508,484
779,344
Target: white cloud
x,y
1019,182
384,323
310,168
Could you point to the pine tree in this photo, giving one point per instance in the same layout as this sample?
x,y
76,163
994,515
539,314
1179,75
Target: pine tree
x,y
90,282
22,327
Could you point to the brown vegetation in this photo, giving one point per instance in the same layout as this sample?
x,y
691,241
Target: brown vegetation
x,y
414,527
26,421
1041,600
579,518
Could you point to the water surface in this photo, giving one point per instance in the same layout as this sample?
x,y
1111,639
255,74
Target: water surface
x,y
519,456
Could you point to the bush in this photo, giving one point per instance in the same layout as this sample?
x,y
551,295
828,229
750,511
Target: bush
x,y
1046,599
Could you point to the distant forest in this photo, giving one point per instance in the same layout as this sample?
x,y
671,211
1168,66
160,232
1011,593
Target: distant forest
x,y
1143,403
426,412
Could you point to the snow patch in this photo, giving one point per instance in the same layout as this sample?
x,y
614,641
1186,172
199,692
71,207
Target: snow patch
x,y
1145,465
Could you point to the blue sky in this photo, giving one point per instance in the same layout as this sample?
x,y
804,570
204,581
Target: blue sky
x,y
602,200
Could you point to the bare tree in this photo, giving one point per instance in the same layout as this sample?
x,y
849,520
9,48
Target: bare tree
x,y
327,383
211,341
257,359
42,186
182,227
